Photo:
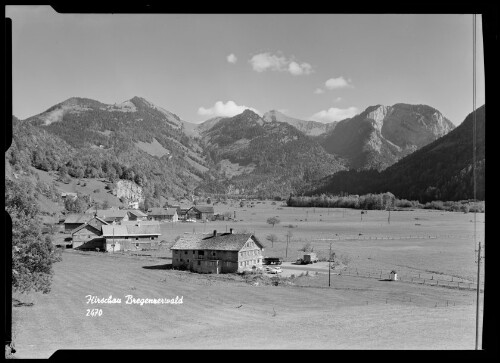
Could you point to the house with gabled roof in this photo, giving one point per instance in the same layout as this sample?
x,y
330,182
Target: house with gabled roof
x,y
163,214
136,215
88,236
113,215
131,236
202,212
75,220
218,252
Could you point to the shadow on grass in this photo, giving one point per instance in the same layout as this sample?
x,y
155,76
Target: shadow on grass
x,y
386,280
167,266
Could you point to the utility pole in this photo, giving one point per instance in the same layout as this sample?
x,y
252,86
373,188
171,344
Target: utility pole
x,y
329,264
478,291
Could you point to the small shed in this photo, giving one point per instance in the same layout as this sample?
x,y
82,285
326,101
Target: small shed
x,y
393,275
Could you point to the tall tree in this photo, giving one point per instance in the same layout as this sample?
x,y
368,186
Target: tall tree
x,y
32,253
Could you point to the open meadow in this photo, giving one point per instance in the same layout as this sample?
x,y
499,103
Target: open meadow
x,y
228,312
421,241
231,311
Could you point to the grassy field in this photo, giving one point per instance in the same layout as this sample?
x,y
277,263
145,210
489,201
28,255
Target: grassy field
x,y
222,311
417,241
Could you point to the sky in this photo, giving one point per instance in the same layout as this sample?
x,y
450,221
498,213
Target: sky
x,y
323,67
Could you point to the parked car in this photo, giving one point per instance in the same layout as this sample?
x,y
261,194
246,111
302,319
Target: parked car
x,y
273,270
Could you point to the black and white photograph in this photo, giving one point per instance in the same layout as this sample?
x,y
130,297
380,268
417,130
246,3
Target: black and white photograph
x,y
210,181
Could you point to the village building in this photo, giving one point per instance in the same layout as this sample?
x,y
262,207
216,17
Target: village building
x,y
203,212
163,214
89,235
136,215
218,252
112,215
131,236
182,212
133,205
75,220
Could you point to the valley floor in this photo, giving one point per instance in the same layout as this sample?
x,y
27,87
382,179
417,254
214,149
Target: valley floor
x,y
224,312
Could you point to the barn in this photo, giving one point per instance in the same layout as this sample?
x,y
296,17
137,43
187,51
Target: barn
x,y
89,235
218,252
131,236
163,214
202,212
73,221
136,215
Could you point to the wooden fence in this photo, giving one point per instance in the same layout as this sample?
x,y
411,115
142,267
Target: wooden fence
x,y
420,278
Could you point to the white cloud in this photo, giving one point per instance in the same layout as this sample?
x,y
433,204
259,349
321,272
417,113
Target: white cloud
x,y
228,109
231,58
299,69
334,114
319,91
266,61
339,82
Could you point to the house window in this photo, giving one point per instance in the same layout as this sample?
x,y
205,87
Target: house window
x,y
152,238
198,263
126,237
185,252
188,260
136,238
201,253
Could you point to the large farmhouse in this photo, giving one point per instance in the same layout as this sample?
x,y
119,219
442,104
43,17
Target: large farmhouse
x,y
130,236
202,212
218,253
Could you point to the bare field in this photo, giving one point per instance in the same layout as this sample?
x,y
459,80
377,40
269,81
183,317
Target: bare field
x,y
221,311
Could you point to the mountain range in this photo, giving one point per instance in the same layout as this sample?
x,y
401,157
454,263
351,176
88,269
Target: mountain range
x,y
248,154
381,135
440,170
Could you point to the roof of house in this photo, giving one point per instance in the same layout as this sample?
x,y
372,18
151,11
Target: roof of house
x,y
135,230
221,242
137,212
91,210
162,211
78,218
131,223
203,208
95,223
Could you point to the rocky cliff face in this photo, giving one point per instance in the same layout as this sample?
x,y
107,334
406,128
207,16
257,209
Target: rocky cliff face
x,y
381,135
128,190
310,128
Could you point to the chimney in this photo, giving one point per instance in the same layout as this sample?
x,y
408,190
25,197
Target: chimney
x,y
231,230
215,232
